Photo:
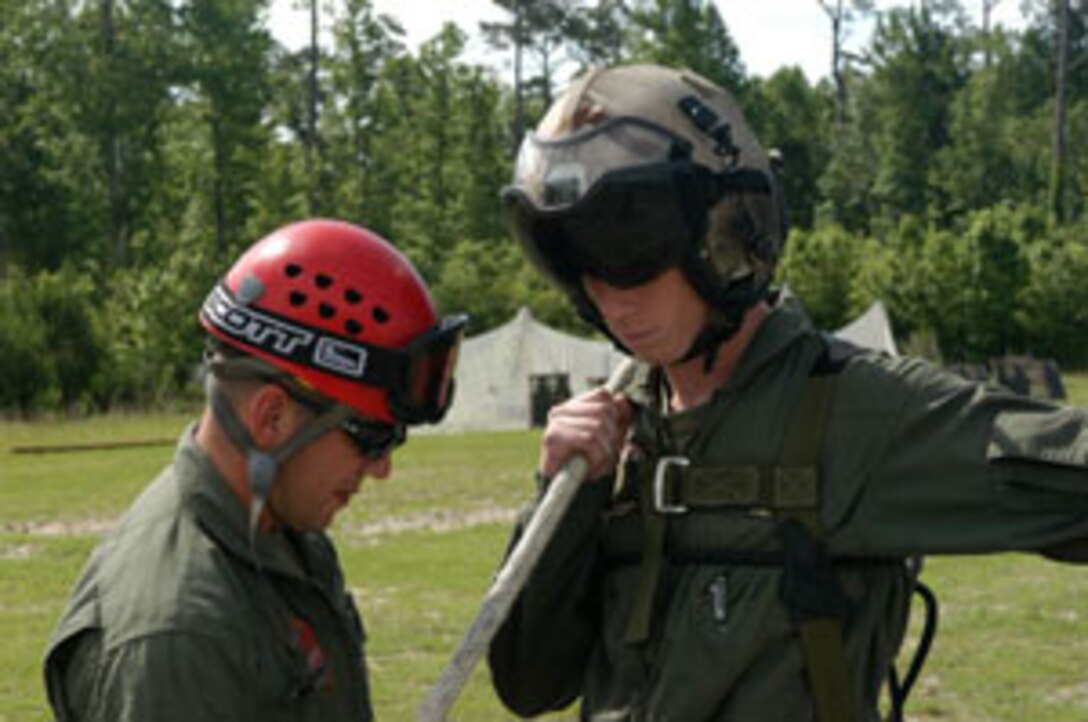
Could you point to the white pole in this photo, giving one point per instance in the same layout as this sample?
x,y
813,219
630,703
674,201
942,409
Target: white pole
x,y
513,575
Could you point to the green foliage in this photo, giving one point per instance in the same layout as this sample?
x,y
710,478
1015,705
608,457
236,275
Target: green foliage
x,y
819,267
687,33
972,282
789,115
151,322
918,69
1053,308
24,382
51,341
144,143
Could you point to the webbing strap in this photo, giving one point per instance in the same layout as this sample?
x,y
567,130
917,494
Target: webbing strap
x,y
820,629
825,660
803,441
653,545
776,488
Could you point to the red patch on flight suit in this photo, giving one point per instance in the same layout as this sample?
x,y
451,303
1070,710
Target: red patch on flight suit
x,y
305,642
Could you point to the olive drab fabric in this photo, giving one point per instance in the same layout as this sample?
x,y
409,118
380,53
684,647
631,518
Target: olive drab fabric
x,y
178,617
913,461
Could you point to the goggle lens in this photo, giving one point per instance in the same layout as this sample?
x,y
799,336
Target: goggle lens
x,y
427,390
374,439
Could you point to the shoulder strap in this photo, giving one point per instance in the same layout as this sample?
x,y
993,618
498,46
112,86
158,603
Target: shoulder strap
x,y
810,586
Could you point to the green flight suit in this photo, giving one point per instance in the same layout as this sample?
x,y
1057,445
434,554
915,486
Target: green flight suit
x,y
177,617
913,461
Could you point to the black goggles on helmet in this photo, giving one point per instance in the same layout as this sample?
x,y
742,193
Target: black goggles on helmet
x,y
423,379
418,377
622,201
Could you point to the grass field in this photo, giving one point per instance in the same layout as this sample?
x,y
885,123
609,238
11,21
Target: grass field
x,y
419,550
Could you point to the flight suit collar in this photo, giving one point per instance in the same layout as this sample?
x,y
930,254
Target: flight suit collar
x,y
215,507
786,327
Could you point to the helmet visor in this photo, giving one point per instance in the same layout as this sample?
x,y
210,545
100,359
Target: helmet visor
x,y
631,226
619,201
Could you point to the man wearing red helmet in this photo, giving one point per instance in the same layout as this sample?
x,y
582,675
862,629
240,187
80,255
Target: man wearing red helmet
x,y
219,596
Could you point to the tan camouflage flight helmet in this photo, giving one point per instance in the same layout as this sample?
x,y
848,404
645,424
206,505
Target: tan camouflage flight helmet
x,y
636,169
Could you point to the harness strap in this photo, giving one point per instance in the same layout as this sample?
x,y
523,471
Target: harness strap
x,y
775,488
790,492
653,546
810,586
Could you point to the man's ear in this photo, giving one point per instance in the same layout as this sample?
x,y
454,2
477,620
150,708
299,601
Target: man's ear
x,y
268,413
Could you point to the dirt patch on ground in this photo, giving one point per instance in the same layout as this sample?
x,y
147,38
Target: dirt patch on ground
x,y
436,521
18,552
71,527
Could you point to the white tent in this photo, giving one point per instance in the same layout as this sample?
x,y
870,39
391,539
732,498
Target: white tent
x,y
871,329
501,373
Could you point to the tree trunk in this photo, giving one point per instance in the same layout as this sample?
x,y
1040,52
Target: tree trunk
x,y
835,14
219,185
1061,100
987,12
111,143
519,91
311,148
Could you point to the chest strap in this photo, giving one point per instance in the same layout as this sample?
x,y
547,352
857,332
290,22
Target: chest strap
x,y
679,487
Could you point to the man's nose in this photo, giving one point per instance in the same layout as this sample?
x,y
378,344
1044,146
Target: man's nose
x,y
381,467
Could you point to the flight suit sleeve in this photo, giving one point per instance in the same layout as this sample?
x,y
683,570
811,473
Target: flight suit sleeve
x,y
166,678
540,652
922,462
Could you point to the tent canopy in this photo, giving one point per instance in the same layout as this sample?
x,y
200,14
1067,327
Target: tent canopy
x,y
509,376
871,329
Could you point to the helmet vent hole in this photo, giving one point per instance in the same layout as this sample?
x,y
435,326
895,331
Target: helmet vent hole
x,y
293,270
297,298
322,280
380,314
326,310
353,327
352,296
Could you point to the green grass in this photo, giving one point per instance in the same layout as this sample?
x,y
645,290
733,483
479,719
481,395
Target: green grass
x,y
1076,387
419,550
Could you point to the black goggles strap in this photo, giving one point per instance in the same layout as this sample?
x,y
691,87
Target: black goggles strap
x,y
740,180
273,334
303,345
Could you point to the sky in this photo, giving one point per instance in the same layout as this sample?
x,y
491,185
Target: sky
x,y
769,33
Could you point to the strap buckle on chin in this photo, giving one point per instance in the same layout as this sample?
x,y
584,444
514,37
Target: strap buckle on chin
x,y
663,500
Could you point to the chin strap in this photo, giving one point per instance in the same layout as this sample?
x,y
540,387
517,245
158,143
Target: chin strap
x,y
262,466
728,307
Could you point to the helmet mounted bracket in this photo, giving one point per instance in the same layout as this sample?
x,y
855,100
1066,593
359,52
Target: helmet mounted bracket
x,y
708,123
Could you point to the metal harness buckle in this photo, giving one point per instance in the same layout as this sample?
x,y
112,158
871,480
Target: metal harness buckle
x,y
661,503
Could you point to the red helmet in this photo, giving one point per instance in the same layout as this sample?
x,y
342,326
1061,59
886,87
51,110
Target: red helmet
x,y
342,311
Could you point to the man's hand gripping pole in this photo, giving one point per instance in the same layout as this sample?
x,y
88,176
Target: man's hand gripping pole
x,y
513,575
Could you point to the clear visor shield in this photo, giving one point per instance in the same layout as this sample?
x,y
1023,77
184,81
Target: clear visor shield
x,y
555,174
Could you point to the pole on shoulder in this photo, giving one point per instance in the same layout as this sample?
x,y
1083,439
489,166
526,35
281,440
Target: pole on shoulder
x,y
512,577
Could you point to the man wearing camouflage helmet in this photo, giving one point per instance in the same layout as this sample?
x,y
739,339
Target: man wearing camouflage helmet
x,y
740,549
219,596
